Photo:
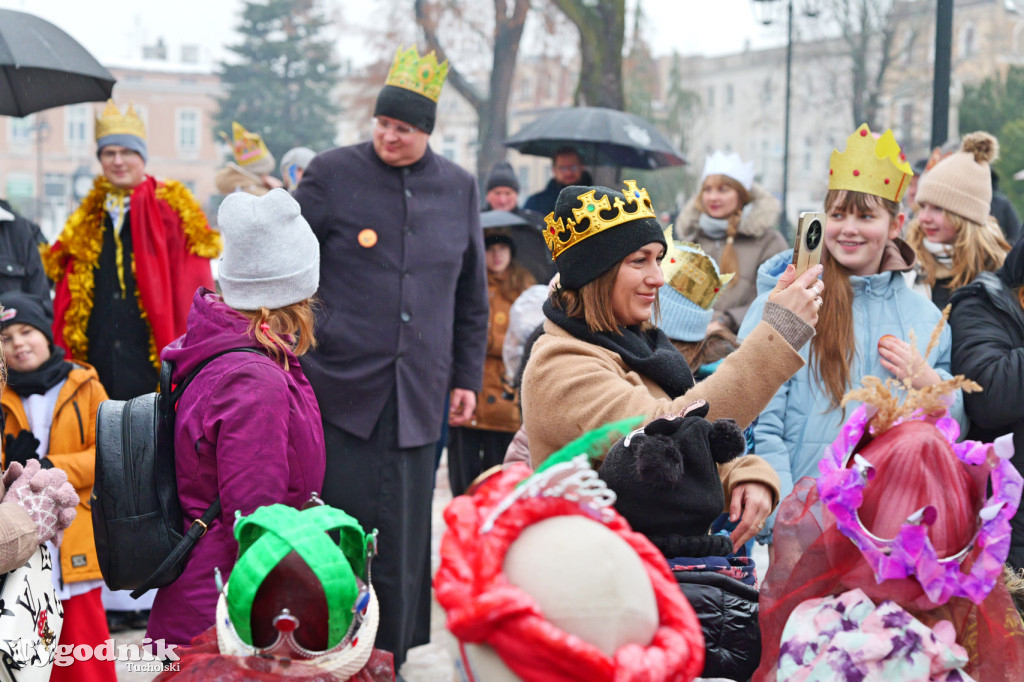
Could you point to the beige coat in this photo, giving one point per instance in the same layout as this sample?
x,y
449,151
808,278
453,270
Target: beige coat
x,y
571,387
757,239
18,534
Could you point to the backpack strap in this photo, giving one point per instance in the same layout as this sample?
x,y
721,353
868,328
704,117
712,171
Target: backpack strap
x,y
199,526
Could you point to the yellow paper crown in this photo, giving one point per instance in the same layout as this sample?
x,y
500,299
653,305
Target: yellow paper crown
x,y
871,166
112,122
692,272
560,235
423,75
247,147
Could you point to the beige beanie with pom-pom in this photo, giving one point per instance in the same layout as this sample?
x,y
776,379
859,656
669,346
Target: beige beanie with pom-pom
x,y
962,182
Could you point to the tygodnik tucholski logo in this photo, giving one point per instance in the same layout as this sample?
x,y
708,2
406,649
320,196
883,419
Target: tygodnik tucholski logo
x,y
151,656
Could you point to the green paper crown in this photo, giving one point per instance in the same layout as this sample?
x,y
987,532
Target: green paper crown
x,y
423,75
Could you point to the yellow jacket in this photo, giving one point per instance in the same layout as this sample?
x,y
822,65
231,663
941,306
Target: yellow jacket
x,y
73,449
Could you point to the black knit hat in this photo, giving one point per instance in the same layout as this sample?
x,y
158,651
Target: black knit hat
x,y
406,106
666,480
609,234
502,175
23,308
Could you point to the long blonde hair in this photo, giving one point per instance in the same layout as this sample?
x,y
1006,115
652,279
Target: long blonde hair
x,y
269,327
977,249
729,261
832,347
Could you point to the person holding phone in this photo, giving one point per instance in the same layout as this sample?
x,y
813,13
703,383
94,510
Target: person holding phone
x,y
600,358
870,323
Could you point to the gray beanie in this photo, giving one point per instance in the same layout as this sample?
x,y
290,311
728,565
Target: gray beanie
x,y
271,257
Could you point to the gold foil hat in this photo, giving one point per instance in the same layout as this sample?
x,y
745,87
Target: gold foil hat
x,y
870,166
112,122
422,75
248,148
693,273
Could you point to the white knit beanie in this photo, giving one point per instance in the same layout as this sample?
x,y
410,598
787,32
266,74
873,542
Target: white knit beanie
x,y
271,257
962,182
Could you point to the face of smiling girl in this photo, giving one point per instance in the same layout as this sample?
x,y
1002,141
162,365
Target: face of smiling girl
x,y
856,236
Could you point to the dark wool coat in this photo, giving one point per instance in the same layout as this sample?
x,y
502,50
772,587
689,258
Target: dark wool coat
x,y
988,347
21,268
403,288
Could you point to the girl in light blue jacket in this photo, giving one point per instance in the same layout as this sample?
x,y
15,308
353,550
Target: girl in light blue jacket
x,y
866,316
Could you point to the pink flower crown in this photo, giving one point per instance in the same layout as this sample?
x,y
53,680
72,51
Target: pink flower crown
x,y
910,553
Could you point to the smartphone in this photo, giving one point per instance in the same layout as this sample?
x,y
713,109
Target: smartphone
x,y
810,233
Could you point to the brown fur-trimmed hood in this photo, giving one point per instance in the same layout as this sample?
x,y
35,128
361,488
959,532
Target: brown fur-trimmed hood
x,y
762,216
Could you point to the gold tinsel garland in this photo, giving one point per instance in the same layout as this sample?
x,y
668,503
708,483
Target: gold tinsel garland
x,y
82,241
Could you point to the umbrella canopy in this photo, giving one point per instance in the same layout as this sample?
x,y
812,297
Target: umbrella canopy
x,y
603,137
41,67
531,250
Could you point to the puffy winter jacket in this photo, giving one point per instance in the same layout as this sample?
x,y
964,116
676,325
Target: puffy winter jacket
x,y
72,449
728,612
792,432
988,347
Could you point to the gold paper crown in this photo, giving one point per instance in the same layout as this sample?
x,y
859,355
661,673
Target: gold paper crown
x,y
247,147
871,166
560,236
113,122
423,75
692,272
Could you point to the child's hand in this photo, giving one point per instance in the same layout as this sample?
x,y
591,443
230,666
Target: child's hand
x,y
21,448
903,360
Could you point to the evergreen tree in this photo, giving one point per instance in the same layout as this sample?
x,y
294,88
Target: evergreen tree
x,y
282,81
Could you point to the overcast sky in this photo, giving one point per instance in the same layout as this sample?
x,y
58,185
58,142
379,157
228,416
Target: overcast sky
x,y
113,29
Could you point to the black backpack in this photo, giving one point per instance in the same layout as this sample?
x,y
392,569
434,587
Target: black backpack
x,y
136,515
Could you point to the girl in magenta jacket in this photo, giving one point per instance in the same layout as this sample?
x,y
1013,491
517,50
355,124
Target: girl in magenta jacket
x,y
248,427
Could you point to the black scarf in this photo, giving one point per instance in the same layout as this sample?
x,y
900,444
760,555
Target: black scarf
x,y
43,378
649,353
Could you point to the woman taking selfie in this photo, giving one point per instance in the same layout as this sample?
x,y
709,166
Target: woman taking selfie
x,y
734,220
601,359
867,316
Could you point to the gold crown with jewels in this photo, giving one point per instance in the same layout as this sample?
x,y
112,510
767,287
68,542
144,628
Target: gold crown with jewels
x,y
693,273
422,75
870,166
112,122
561,235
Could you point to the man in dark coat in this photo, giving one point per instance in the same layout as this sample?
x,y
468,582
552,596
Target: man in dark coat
x,y
21,268
566,169
403,318
1004,212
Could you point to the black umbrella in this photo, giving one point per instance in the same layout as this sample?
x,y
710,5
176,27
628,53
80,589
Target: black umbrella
x,y
603,137
41,67
531,250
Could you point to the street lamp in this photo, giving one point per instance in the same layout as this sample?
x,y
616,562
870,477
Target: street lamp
x,y
763,10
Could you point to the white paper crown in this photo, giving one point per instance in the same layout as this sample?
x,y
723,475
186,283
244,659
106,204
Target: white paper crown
x,y
731,165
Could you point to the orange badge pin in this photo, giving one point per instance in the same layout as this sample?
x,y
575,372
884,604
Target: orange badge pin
x,y
367,238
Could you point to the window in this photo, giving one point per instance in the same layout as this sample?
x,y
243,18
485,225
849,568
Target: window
x,y
20,130
906,127
21,187
76,125
907,47
728,94
968,41
55,187
186,130
711,97
766,91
